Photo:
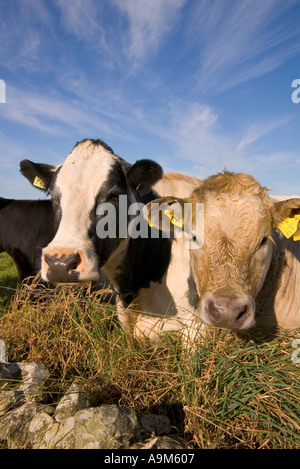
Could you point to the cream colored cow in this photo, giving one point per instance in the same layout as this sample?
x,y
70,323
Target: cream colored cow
x,y
246,270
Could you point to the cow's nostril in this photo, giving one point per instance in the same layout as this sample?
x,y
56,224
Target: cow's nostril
x,y
214,310
73,261
241,314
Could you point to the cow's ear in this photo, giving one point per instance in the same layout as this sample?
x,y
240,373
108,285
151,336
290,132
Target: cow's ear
x,y
39,174
286,217
165,214
143,174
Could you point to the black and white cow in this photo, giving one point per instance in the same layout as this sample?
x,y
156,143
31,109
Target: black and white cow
x,y
150,274
26,226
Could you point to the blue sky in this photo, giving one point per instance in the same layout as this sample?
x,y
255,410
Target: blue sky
x,y
196,85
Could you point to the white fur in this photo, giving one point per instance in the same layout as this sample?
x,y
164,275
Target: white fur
x,y
79,180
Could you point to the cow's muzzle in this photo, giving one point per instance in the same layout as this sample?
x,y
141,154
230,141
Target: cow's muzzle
x,y
61,266
228,312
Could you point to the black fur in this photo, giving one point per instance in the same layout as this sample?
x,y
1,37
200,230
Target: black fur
x,y
142,175
44,171
145,260
26,226
96,143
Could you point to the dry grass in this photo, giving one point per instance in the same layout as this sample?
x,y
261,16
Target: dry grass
x,y
225,392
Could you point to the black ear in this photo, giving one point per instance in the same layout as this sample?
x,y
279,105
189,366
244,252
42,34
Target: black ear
x,y
39,174
143,174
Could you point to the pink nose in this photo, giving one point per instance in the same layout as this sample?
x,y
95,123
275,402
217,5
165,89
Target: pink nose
x,y
63,266
228,312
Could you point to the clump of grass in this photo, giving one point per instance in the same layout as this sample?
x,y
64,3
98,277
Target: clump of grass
x,y
246,394
222,392
9,279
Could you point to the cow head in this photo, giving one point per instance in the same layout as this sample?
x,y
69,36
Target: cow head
x,y
91,175
235,244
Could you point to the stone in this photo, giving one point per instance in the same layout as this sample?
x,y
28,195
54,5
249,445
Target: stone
x,y
37,429
14,425
28,423
59,436
154,425
20,382
10,372
105,427
160,442
8,399
33,377
2,351
74,400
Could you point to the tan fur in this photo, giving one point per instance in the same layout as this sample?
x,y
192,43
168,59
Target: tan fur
x,y
228,244
279,301
238,214
245,267
177,184
278,198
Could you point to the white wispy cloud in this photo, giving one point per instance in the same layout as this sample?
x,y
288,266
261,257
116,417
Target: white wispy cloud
x,y
137,30
84,19
228,42
46,113
55,114
22,35
241,47
148,24
196,135
108,71
259,129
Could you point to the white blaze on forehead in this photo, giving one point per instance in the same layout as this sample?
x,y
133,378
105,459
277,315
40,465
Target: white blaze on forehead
x,y
81,176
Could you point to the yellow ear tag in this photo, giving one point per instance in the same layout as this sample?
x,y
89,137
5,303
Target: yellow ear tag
x,y
175,220
38,182
289,226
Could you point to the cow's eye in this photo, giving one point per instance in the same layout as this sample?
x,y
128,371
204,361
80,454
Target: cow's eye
x,y
264,241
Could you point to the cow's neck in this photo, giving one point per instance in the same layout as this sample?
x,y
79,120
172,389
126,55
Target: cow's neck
x,y
138,262
287,301
278,300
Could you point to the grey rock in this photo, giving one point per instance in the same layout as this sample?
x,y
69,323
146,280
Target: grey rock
x,y
74,400
2,351
15,424
10,372
28,423
9,399
105,427
34,376
160,442
59,436
37,429
154,425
